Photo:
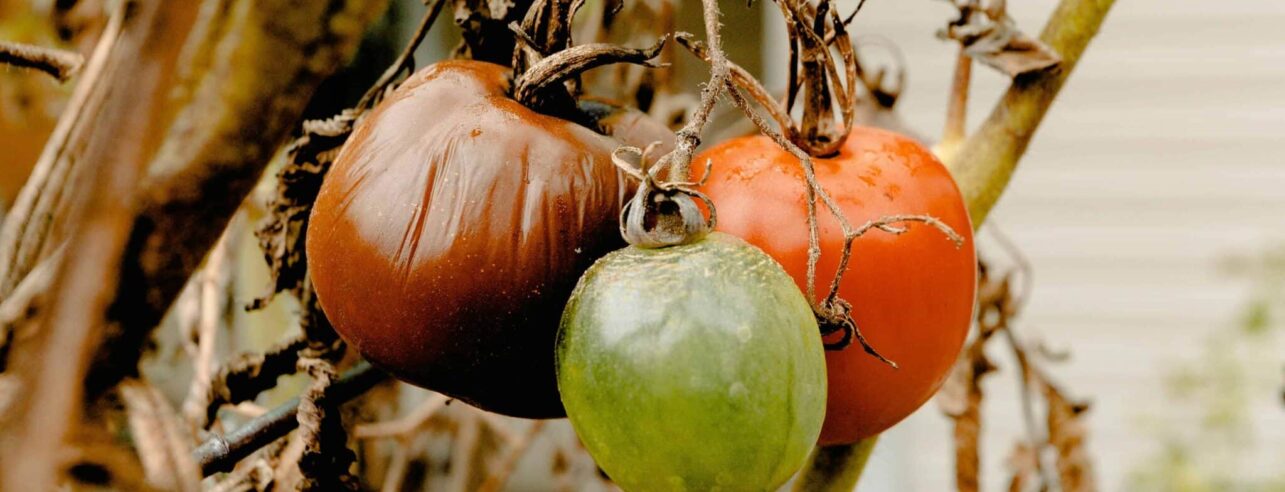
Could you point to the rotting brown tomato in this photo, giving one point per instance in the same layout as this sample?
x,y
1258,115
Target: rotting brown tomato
x,y
630,126
452,228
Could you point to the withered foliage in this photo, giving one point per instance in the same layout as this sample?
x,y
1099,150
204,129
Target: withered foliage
x,y
1064,431
990,36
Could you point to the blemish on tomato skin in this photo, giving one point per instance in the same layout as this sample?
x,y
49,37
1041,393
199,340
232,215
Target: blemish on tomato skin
x,y
475,133
892,192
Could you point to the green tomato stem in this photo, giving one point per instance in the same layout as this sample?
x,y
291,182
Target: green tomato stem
x,y
835,468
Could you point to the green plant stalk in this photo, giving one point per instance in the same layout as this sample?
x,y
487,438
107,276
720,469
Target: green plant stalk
x,y
985,162
982,166
835,468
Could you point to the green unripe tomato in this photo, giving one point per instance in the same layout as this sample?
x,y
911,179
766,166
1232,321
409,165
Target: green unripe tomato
x,y
692,367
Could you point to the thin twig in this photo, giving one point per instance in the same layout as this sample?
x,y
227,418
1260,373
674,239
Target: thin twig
x,y
221,452
405,425
59,64
398,464
463,452
405,60
161,441
500,475
210,308
25,299
560,66
743,80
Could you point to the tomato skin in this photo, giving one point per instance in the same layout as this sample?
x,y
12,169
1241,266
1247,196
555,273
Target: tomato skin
x,y
628,125
693,367
912,295
451,230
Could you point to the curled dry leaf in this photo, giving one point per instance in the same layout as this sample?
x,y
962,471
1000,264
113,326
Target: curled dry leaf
x,y
1067,434
961,400
243,378
961,396
283,232
325,461
992,37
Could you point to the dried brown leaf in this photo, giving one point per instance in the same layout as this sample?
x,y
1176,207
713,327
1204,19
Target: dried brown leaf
x,y
994,39
283,232
1067,434
1024,461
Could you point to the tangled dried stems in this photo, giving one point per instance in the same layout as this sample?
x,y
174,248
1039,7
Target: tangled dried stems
x,y
1063,433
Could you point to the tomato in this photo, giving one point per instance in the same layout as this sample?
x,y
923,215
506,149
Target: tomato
x,y
630,126
692,367
911,294
451,230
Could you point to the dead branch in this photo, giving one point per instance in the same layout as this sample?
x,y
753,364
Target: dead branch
x,y
500,474
403,427
221,452
209,295
51,365
61,65
28,222
269,60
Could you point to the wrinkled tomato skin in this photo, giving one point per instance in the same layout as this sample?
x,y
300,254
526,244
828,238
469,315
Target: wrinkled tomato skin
x,y
451,230
912,294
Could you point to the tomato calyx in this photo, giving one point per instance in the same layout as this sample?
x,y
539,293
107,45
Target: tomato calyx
x,y
661,213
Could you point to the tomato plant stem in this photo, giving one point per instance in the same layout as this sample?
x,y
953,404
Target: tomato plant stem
x,y
985,161
835,468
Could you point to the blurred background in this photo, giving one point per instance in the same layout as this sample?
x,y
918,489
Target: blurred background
x,y
1148,219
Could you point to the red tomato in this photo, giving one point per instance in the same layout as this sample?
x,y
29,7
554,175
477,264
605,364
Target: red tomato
x,y
912,294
